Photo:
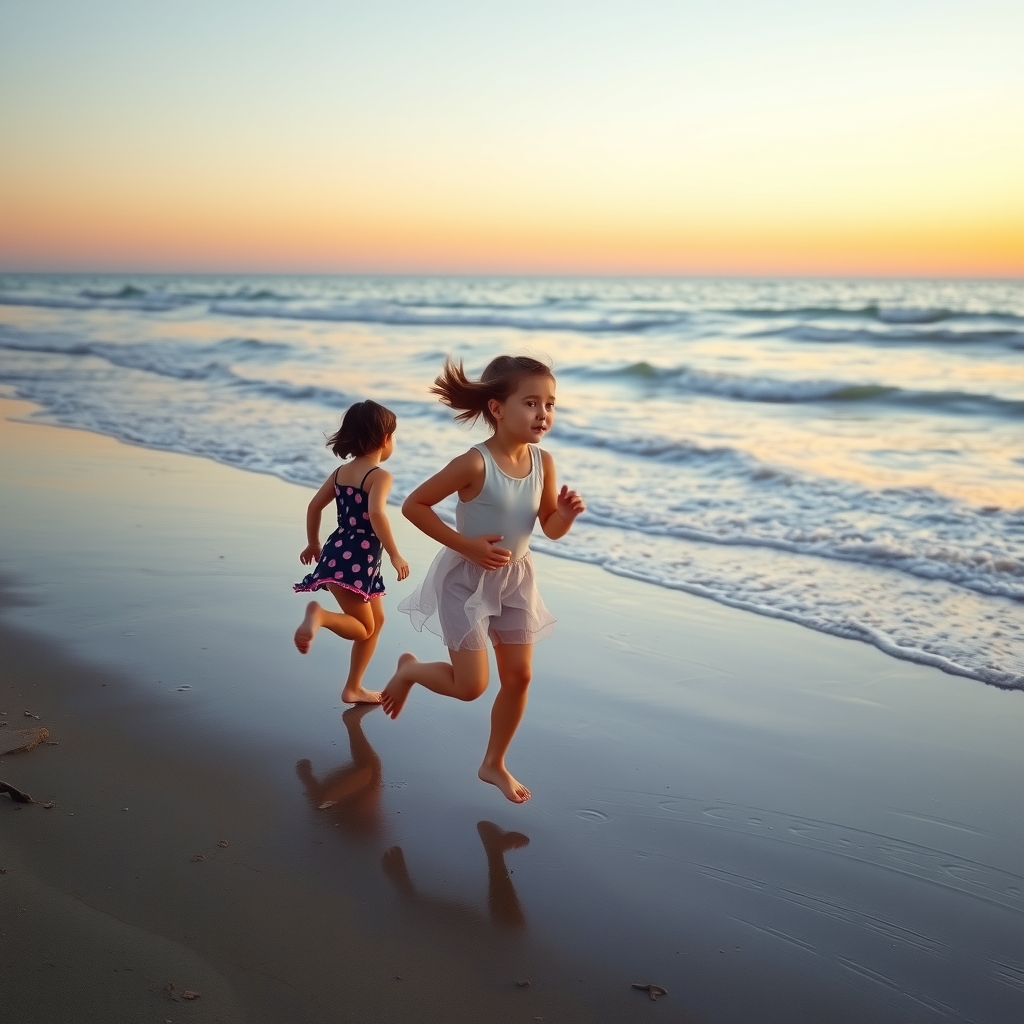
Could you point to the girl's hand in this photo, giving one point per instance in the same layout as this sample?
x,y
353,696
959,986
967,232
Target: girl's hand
x,y
569,504
401,566
310,554
484,551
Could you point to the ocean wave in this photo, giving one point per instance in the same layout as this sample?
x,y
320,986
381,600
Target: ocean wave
x,y
728,592
398,315
144,303
685,380
168,359
523,306
128,291
881,313
212,364
993,572
653,447
134,297
1003,337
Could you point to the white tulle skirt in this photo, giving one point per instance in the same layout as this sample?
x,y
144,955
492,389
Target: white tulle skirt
x,y
464,604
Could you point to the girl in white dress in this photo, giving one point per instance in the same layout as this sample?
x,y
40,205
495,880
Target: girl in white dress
x,y
481,585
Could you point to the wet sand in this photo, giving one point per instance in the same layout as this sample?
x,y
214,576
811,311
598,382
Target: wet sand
x,y
773,825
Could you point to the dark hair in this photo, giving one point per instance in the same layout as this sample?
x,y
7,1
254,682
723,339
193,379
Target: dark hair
x,y
364,428
501,378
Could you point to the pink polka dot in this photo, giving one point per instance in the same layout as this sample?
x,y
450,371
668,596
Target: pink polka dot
x,y
338,575
359,499
356,568
352,520
346,554
358,584
332,563
366,544
337,543
348,490
366,515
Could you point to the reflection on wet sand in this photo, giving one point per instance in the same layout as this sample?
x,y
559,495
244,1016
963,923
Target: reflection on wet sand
x,y
352,795
502,901
352,792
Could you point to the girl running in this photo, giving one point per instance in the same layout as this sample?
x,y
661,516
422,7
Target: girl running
x,y
482,584
349,564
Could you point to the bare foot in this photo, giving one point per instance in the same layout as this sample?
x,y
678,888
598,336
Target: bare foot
x,y
308,627
500,777
357,695
393,696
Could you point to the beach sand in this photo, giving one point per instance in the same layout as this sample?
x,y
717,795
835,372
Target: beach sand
x,y
771,824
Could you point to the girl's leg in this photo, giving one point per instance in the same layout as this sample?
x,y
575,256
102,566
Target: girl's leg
x,y
353,622
465,678
515,669
362,652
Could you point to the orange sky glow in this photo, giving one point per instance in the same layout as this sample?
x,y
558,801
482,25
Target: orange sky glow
x,y
870,146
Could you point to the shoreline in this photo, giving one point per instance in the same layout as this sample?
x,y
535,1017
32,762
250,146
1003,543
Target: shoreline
x,y
704,779
860,633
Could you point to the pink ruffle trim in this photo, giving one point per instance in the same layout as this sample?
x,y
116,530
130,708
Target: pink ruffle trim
x,y
322,585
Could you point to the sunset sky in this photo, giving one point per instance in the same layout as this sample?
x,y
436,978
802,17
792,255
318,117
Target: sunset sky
x,y
613,137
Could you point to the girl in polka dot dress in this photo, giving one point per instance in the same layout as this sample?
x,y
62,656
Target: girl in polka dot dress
x,y
349,564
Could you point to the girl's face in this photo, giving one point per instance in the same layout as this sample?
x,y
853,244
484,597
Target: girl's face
x,y
529,413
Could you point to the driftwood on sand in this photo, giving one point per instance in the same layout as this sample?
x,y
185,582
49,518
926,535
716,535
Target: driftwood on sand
x,y
18,741
17,795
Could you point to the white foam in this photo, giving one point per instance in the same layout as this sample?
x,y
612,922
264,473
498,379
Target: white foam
x,y
678,498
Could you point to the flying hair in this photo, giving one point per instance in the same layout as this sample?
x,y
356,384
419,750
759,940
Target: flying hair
x,y
501,378
364,429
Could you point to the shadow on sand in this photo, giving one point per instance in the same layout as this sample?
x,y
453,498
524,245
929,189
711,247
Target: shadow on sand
x,y
352,794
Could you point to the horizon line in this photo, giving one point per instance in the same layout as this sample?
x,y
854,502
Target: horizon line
x,y
525,274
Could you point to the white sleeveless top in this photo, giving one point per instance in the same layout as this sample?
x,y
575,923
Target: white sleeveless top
x,y
505,506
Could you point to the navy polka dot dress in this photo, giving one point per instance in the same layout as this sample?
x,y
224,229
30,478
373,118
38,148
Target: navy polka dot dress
x,y
351,558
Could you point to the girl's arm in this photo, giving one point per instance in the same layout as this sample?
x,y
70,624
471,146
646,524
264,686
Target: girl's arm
x,y
465,475
558,509
380,484
319,501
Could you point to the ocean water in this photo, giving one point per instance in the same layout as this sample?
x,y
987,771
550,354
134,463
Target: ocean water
x,y
847,455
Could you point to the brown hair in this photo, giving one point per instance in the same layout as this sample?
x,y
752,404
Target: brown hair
x,y
501,378
364,429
